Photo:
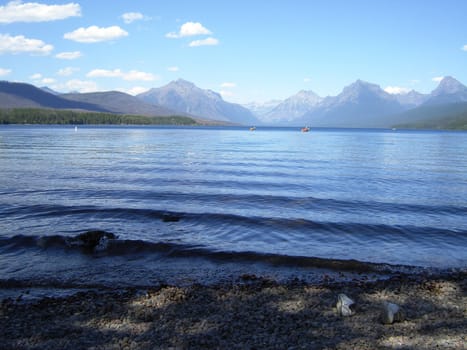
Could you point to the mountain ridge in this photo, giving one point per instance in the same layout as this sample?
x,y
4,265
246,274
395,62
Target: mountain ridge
x,y
359,104
185,97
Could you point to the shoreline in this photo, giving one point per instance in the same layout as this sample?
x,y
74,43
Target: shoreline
x,y
249,312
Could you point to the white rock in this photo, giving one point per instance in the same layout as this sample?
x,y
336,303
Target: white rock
x,y
343,305
391,313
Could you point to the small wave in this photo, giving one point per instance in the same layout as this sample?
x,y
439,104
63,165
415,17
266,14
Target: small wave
x,y
250,223
130,248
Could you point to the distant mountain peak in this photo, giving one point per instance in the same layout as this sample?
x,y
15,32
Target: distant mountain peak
x,y
182,82
449,85
185,97
359,88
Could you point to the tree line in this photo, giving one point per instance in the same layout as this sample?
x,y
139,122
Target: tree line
x,y
53,116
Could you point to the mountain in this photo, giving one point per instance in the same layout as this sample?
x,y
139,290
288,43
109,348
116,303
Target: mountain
x,y
49,90
360,104
412,99
449,90
185,97
292,108
21,95
440,116
119,102
261,108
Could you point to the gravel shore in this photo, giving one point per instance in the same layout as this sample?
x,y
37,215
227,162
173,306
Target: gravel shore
x,y
252,313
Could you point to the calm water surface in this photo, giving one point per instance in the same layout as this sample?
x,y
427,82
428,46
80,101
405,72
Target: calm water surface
x,y
232,196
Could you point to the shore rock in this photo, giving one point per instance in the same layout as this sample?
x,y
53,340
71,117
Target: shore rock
x,y
344,304
391,313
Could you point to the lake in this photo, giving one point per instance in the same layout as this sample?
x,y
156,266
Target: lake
x,y
200,202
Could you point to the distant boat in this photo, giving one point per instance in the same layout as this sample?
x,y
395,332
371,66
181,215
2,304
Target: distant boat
x,y
76,128
305,129
253,128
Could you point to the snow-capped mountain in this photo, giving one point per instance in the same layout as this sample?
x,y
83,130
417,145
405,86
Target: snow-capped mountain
x,y
360,104
292,108
185,97
449,90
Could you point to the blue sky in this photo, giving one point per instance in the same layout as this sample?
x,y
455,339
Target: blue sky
x,y
249,50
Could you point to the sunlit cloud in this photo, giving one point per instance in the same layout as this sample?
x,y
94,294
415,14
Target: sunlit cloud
x,y
81,85
226,93
204,42
95,34
173,69
48,81
72,55
396,90
38,78
20,44
118,73
67,71
136,90
17,11
437,79
4,72
464,48
228,85
189,29
130,17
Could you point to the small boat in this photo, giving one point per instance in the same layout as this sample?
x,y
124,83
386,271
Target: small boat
x,y
253,128
305,129
76,128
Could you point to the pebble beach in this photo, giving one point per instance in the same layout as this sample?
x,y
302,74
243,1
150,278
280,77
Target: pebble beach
x,y
252,312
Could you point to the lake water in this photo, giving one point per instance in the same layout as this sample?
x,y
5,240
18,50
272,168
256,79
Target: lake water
x,y
191,203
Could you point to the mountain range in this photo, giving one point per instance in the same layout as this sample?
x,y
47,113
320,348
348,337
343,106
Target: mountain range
x,y
360,104
185,97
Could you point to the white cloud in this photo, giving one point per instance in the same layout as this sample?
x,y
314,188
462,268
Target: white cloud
x,y
130,17
134,90
118,73
39,79
437,79
4,72
204,42
173,69
20,44
137,75
48,81
67,71
72,55
189,29
306,80
395,90
228,85
464,48
81,85
36,76
95,34
226,93
17,11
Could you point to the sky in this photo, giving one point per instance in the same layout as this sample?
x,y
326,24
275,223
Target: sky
x,y
247,50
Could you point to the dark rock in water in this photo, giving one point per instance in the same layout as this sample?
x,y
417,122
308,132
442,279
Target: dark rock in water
x,y
170,218
93,240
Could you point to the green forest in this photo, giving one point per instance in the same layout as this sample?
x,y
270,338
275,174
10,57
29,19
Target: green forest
x,y
53,116
451,116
